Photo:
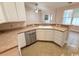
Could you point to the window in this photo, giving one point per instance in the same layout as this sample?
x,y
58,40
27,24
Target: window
x,y
76,17
71,17
48,18
67,16
67,21
75,21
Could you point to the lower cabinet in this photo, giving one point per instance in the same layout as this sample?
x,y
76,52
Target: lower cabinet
x,y
21,40
59,37
27,38
45,34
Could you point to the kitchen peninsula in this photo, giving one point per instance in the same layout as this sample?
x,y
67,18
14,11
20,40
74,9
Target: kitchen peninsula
x,y
57,34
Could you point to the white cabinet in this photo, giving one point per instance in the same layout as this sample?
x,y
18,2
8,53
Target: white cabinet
x,y
2,17
10,11
21,40
45,34
20,8
56,36
59,37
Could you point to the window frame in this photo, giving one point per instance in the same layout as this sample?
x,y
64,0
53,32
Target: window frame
x,y
68,17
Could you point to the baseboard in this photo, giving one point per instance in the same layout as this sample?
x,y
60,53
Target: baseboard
x,y
41,41
48,41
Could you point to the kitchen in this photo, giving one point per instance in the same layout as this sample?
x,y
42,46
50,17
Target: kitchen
x,y
39,28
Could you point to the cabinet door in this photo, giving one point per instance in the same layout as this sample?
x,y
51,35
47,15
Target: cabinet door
x,y
10,11
21,40
45,35
20,7
2,16
59,37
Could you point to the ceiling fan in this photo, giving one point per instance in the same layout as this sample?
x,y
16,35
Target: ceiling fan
x,y
36,10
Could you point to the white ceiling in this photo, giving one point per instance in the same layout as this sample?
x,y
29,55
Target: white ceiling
x,y
48,5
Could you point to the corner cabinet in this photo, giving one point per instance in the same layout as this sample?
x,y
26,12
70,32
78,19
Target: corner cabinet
x,y
57,36
60,37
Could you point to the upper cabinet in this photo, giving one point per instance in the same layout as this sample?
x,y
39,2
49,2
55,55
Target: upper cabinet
x,y
2,17
11,11
20,8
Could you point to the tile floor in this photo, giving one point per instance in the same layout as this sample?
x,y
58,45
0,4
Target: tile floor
x,y
47,49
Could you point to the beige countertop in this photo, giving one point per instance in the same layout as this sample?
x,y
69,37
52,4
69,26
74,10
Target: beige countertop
x,y
59,28
8,39
53,27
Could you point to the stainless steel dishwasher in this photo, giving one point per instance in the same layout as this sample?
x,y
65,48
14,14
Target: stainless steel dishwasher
x,y
30,37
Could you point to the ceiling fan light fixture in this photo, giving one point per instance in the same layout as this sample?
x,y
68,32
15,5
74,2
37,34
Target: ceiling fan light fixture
x,y
36,10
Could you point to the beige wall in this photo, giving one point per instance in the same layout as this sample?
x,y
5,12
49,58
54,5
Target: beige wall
x,y
59,12
36,18
48,12
32,17
76,5
59,15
